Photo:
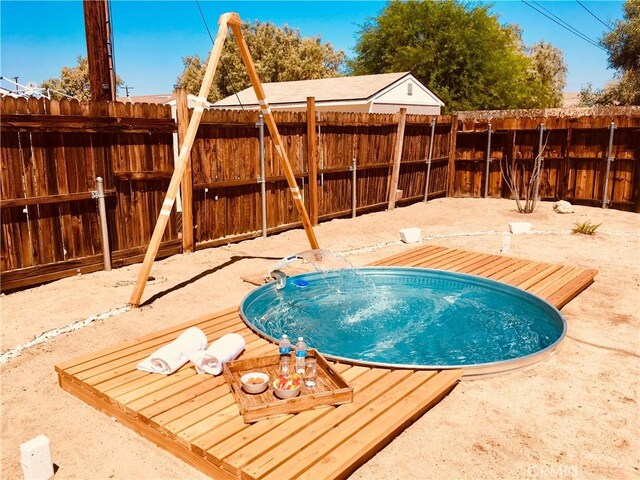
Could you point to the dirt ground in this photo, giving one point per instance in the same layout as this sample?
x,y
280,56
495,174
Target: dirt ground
x,y
574,416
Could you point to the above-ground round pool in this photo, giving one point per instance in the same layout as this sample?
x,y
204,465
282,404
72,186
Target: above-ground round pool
x,y
409,318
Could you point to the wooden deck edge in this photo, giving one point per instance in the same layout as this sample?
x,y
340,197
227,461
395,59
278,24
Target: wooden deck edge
x,y
450,379
587,283
146,431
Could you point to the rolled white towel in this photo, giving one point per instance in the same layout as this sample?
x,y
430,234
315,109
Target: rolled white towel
x,y
223,350
171,357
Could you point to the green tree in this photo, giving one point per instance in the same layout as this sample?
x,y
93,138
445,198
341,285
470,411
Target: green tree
x,y
550,71
458,50
279,54
73,82
623,45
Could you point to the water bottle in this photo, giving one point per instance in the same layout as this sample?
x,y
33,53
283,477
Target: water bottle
x,y
301,353
284,347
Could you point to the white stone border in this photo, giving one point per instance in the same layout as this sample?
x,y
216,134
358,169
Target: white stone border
x,y
48,335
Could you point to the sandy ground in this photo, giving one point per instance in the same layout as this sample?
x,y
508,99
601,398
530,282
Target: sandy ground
x,y
575,416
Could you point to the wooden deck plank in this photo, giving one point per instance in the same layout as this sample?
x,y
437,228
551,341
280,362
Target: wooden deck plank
x,y
348,457
259,446
412,260
414,251
216,450
570,290
447,263
294,444
195,417
478,264
146,431
326,443
233,454
84,373
67,366
407,257
560,277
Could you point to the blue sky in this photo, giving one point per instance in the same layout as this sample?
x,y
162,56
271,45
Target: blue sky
x,y
151,37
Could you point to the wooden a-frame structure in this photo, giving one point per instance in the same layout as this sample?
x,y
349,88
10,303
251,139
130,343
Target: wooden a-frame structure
x,y
226,20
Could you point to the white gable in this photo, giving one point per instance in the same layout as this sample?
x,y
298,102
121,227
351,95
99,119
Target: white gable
x,y
407,90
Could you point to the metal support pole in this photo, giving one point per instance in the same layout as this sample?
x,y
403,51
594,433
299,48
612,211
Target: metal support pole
x,y
538,165
605,194
429,157
353,189
488,160
102,212
263,174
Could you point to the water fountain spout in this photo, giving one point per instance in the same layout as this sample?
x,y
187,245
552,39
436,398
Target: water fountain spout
x,y
280,278
277,274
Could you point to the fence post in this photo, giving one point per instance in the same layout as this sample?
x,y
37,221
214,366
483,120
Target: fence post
x,y
488,160
605,199
312,159
429,157
102,212
452,155
397,155
566,171
538,166
186,186
512,156
353,189
263,175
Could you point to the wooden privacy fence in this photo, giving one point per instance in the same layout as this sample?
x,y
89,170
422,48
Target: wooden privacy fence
x,y
576,157
52,152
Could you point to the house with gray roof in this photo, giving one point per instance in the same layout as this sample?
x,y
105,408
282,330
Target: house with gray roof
x,y
384,93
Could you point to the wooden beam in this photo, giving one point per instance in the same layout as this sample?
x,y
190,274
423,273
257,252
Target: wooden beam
x,y
273,130
185,152
142,176
452,155
43,200
312,159
99,57
182,115
29,276
81,124
397,156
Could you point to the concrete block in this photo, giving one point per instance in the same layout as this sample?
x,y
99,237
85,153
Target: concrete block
x,y
410,235
35,457
518,228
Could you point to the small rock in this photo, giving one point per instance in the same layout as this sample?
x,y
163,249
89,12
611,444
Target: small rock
x,y
410,235
563,206
518,228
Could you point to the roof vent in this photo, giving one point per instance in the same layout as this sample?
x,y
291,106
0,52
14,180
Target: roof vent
x,y
409,88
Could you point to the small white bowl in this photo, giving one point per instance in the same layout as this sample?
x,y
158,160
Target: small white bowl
x,y
284,394
254,387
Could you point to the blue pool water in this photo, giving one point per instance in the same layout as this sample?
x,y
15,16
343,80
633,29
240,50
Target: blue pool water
x,y
406,317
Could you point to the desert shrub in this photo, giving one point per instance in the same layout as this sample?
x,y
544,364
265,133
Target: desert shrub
x,y
585,228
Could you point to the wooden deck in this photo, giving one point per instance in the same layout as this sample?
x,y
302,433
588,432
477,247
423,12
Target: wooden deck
x,y
195,418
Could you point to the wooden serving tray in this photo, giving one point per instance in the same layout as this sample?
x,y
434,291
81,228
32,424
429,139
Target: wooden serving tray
x,y
330,389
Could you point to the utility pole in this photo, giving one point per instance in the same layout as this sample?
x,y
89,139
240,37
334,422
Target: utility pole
x,y
97,24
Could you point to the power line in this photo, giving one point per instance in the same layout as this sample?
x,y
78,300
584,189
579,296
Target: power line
x,y
204,21
565,25
570,27
226,73
594,15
